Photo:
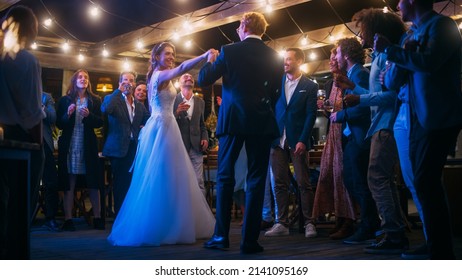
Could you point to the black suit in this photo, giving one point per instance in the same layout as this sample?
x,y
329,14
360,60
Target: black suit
x,y
251,74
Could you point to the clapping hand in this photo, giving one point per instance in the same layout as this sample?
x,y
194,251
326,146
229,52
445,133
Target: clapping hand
x,y
71,109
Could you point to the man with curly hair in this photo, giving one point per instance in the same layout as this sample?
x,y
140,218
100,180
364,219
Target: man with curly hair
x,y
356,121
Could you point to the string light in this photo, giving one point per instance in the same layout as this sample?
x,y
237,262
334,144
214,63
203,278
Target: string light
x,y
175,35
268,7
176,84
139,44
105,52
331,38
385,10
94,11
304,41
188,25
282,52
313,56
126,65
48,22
34,46
65,46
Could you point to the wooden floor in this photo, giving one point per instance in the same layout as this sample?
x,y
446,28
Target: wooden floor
x,y
89,244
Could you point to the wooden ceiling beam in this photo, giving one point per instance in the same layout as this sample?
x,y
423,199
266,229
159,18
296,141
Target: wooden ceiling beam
x,y
5,4
230,12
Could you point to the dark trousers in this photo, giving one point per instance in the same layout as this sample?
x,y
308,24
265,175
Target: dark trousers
x,y
121,175
257,149
355,166
280,159
428,152
50,181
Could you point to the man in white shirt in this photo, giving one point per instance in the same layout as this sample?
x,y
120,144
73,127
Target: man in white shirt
x,y
295,114
189,112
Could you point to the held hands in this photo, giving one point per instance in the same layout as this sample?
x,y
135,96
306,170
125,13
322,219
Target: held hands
x,y
212,55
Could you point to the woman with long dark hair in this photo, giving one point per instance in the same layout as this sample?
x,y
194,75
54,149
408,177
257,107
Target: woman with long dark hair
x,y
78,115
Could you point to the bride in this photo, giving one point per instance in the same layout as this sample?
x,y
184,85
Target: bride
x,y
164,204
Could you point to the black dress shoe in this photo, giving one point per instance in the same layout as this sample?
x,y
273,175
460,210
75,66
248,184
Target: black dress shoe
x,y
217,242
51,225
251,248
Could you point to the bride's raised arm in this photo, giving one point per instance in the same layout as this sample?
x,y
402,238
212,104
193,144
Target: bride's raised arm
x,y
169,74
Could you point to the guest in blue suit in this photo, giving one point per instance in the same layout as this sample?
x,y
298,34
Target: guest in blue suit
x,y
126,116
357,120
295,114
435,99
251,74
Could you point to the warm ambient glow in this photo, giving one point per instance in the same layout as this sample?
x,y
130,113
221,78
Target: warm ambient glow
x,y
94,12
104,85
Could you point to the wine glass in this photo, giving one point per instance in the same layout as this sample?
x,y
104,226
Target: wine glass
x,y
328,106
321,94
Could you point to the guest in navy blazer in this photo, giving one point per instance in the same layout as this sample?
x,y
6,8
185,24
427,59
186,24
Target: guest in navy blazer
x,y
432,61
126,116
251,74
356,122
295,114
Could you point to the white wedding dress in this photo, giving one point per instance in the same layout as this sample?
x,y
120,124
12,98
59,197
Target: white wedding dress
x,y
164,204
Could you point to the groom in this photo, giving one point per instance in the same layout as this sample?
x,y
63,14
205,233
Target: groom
x,y
251,74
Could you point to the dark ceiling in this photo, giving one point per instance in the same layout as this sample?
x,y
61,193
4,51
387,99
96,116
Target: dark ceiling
x,y
121,19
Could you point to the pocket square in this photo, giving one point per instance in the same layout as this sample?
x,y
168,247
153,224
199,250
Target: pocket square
x,y
302,90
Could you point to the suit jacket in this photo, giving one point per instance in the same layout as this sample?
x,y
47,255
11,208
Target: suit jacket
x,y
49,120
299,115
249,93
120,128
194,130
433,72
358,118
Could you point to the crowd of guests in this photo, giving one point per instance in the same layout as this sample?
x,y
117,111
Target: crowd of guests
x,y
391,113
